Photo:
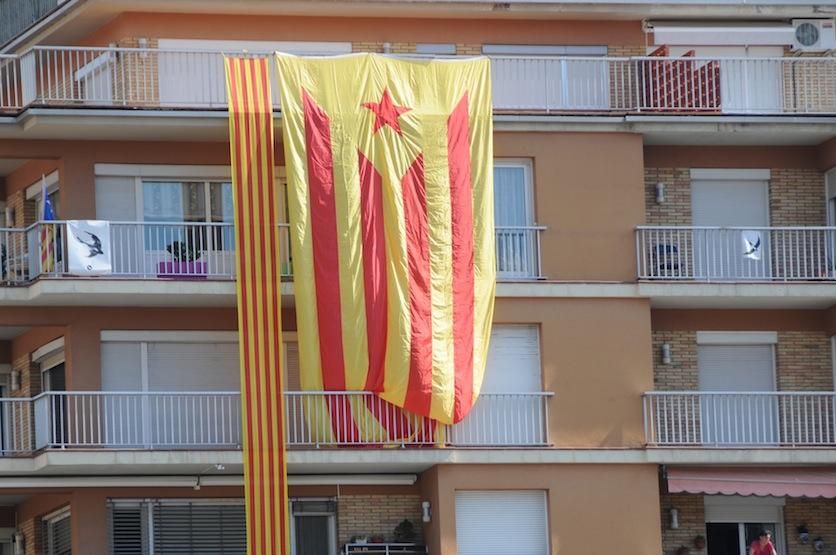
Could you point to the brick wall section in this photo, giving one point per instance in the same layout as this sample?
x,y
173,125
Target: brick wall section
x,y
819,515
796,197
681,374
691,522
22,436
403,48
374,515
32,531
626,51
137,74
676,210
26,211
803,359
463,49
367,47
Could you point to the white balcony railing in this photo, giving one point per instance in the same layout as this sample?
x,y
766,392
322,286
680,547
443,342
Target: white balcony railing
x,y
727,419
518,252
212,420
143,250
154,78
736,253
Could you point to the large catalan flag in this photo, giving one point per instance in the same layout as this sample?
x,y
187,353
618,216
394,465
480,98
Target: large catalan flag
x,y
389,165
259,304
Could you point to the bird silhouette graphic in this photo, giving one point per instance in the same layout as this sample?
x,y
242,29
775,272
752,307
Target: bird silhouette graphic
x,y
95,244
752,248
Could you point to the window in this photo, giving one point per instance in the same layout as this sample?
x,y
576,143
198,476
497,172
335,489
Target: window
x,y
57,533
314,529
177,526
516,241
733,522
178,202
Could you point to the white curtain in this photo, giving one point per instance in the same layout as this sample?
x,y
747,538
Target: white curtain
x,y
510,196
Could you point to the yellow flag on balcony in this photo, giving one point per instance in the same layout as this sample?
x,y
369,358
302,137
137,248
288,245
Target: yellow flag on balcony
x,y
390,180
259,304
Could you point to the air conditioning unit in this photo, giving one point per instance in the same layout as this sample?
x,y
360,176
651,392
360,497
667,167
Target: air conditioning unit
x,y
813,35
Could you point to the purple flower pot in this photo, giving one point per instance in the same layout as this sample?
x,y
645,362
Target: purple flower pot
x,y
182,270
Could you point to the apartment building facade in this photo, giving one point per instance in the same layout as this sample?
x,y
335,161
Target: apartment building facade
x,y
661,370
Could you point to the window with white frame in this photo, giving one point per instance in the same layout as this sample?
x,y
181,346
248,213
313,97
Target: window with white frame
x,y
57,538
516,242
172,526
198,202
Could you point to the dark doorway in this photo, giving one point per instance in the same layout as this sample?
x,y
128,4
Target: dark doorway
x,y
723,538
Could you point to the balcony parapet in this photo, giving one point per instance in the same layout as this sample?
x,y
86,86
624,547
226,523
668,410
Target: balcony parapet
x,y
736,254
150,78
740,420
131,420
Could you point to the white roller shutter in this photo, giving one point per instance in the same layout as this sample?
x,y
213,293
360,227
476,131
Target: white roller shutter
x,y
735,368
193,367
187,78
513,360
731,419
115,198
121,366
501,522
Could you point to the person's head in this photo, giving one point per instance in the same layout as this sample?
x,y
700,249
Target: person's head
x,y
764,536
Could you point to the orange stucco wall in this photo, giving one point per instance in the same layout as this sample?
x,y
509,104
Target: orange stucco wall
x,y
591,208
592,509
596,356
279,28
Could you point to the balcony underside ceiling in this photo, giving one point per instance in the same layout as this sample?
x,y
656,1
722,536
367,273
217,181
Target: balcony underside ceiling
x,y
208,293
378,461
208,125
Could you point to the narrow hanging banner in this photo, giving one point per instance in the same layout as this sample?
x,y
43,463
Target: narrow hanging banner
x,y
390,186
259,304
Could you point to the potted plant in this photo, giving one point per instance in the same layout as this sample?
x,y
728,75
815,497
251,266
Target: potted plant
x,y
818,544
377,539
682,550
185,263
803,534
699,542
359,539
404,532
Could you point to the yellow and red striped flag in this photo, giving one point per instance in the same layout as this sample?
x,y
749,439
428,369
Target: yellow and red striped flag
x,y
389,166
259,304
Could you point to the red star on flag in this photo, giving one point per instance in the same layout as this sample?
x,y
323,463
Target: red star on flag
x,y
386,112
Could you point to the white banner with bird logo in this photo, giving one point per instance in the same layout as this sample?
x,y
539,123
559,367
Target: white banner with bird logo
x,y
88,247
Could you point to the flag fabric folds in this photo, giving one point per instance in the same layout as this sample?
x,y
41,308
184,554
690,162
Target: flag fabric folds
x,y
259,304
390,186
47,232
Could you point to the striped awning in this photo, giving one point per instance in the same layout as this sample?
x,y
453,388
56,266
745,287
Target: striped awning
x,y
775,481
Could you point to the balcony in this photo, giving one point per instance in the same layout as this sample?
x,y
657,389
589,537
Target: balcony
x,y
736,254
138,250
57,76
212,420
740,420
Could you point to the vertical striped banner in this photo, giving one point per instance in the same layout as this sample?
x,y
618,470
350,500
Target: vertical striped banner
x,y
259,304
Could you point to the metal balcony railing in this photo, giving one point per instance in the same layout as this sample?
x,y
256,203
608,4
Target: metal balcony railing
x,y
212,420
143,250
733,419
736,253
189,79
